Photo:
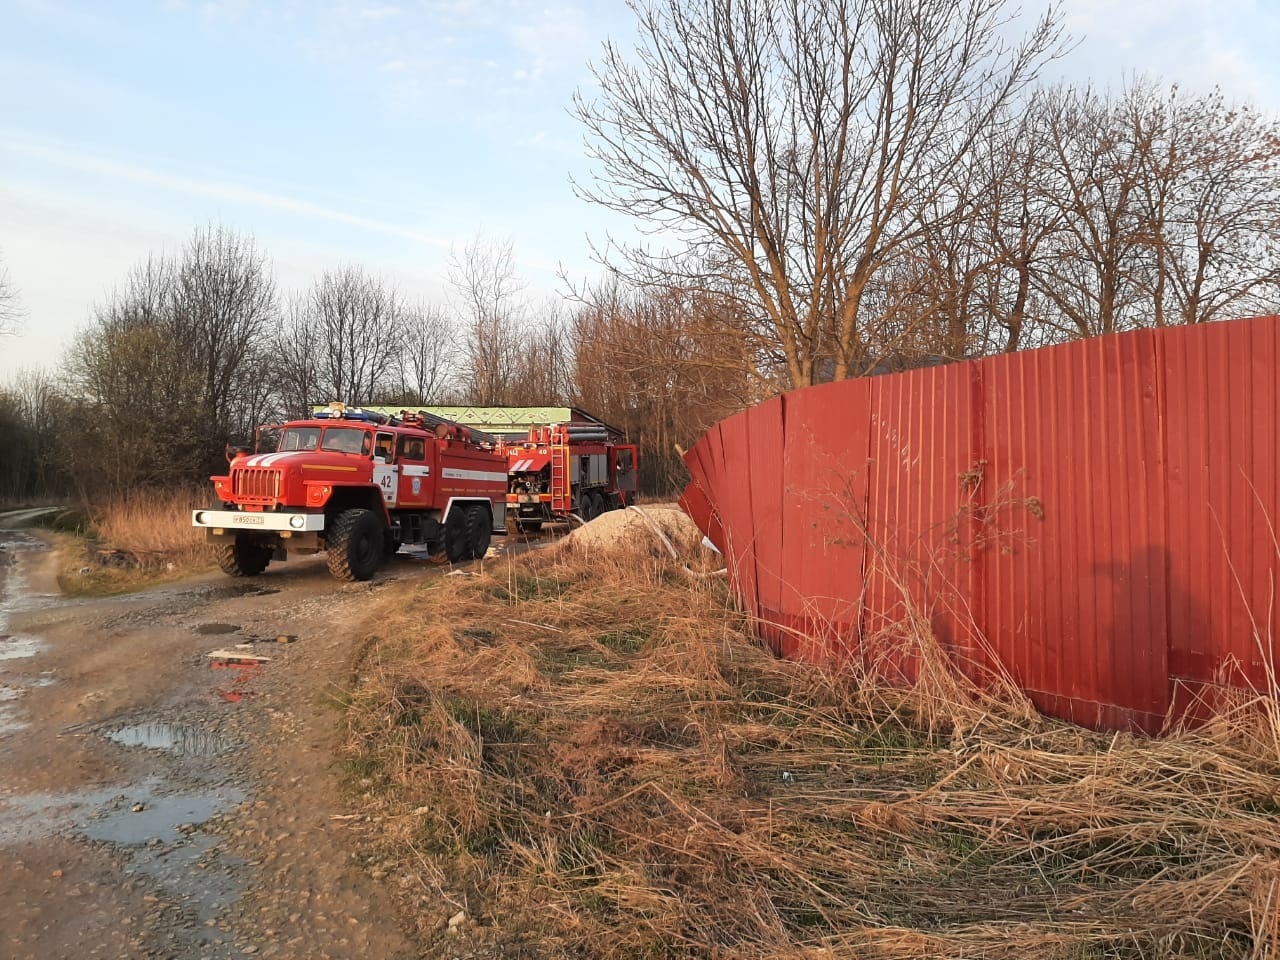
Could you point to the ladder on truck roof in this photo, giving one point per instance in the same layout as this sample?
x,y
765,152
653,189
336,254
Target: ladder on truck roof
x,y
561,492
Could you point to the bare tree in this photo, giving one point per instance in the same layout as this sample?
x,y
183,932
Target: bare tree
x,y
1018,229
169,368
793,147
545,372
429,356
1096,280
663,365
486,290
1212,202
298,354
1150,209
30,422
223,301
10,309
354,320
137,390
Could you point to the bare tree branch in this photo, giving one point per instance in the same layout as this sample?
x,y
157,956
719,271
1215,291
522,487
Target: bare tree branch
x,y
790,150
486,288
11,312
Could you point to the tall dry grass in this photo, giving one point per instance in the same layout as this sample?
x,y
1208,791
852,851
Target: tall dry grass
x,y
589,754
134,540
152,525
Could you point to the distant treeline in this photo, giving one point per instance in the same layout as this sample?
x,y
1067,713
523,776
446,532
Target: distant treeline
x,y
196,349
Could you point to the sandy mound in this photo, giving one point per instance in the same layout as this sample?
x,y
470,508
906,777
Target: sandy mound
x,y
620,530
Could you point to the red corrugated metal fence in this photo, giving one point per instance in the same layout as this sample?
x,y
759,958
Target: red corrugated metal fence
x,y
1098,519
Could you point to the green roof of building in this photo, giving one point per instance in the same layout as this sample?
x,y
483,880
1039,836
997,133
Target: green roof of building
x,y
497,420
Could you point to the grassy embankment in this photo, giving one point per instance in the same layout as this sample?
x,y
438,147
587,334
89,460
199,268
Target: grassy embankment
x,y
589,755
130,542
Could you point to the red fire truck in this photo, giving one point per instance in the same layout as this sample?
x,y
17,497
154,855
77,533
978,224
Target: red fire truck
x,y
358,485
565,469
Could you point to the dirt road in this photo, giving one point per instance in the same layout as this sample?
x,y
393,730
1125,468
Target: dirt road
x,y
157,803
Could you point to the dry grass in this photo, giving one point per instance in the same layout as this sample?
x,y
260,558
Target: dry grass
x,y
141,538
589,755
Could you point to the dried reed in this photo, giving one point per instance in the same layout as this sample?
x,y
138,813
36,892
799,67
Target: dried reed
x,y
593,757
152,525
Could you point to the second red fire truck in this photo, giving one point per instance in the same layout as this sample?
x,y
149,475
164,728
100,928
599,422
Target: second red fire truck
x,y
566,469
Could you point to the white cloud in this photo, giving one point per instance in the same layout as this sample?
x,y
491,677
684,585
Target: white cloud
x,y
1198,44
555,37
85,160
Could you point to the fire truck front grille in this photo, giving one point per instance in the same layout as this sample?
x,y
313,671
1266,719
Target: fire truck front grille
x,y
256,485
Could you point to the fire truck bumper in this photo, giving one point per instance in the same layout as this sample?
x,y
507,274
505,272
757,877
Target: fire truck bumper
x,y
237,521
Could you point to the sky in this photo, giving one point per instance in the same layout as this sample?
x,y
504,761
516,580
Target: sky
x,y
385,134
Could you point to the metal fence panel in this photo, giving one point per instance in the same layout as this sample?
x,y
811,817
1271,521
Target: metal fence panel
x,y
1074,604
1222,414
1098,519
824,482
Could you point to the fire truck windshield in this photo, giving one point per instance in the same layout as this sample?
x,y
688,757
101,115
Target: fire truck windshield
x,y
299,438
346,440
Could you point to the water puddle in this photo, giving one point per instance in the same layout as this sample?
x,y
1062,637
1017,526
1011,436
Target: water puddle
x,y
15,596
108,813
19,647
143,816
177,738
216,628
183,873
9,722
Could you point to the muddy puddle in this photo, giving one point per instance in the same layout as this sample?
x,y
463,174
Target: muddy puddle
x,y
161,828
178,738
213,629
157,832
9,721
16,649
108,814
141,814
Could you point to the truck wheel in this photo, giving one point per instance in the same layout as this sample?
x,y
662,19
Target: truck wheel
x,y
456,545
356,545
243,557
478,531
529,526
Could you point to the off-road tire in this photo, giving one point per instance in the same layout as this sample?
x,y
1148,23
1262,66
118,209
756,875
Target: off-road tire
x,y
457,546
242,557
479,531
592,507
356,545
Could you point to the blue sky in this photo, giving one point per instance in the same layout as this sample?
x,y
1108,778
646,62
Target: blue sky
x,y
380,133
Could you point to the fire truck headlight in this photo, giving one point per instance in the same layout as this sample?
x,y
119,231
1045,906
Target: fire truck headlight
x,y
297,522
201,517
